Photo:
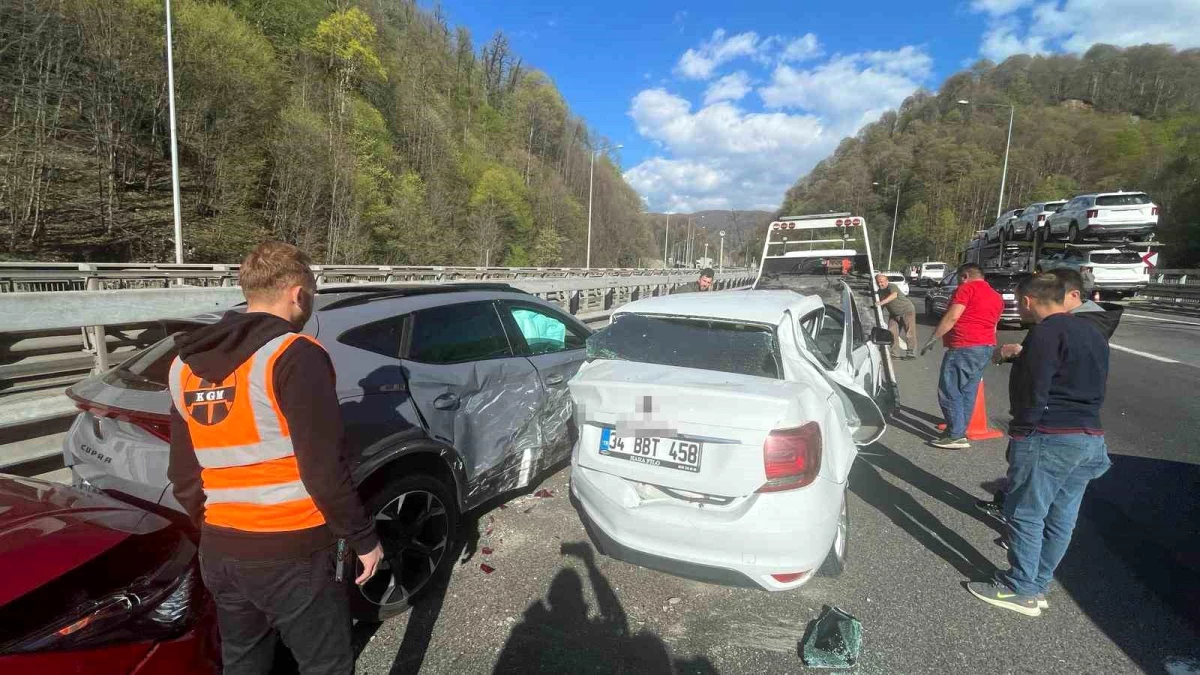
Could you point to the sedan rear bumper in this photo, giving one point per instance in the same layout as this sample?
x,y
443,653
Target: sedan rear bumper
x,y
741,544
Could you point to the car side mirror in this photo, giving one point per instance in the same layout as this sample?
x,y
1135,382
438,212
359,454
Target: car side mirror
x,y
882,336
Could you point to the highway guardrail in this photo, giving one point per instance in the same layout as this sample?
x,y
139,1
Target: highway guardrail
x,y
53,337
1173,287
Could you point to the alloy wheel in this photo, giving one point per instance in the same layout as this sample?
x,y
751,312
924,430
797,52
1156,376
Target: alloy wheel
x,y
414,529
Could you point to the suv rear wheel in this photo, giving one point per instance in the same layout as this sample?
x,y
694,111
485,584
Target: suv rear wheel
x,y
416,519
1073,233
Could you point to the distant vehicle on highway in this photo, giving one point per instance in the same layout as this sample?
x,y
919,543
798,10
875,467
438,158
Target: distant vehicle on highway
x,y
1117,272
898,280
1003,224
937,301
727,461
1033,218
95,586
1105,215
450,395
931,273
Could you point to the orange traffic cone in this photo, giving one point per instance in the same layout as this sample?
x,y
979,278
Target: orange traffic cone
x,y
977,428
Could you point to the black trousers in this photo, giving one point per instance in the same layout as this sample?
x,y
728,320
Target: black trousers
x,y
298,598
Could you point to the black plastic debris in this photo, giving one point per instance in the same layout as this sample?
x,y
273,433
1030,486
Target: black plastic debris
x,y
832,641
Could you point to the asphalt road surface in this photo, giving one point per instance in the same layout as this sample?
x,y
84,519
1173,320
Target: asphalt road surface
x,y
1126,598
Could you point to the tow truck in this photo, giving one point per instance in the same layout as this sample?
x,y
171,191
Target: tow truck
x,y
829,255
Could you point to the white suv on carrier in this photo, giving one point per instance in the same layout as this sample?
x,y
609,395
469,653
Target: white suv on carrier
x,y
1105,215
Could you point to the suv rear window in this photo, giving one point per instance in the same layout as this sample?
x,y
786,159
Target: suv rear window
x,y
744,349
1123,200
1122,258
935,266
148,370
1052,206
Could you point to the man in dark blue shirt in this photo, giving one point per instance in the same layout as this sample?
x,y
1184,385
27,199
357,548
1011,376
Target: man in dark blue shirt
x,y
1056,443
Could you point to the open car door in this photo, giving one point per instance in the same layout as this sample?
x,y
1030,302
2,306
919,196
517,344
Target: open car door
x,y
864,416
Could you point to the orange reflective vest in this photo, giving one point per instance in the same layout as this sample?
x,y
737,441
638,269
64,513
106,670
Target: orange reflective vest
x,y
248,467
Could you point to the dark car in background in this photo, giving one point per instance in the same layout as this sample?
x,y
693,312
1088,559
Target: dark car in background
x,y
93,586
451,395
937,300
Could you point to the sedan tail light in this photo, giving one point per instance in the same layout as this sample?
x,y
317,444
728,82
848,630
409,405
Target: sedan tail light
x,y
1092,213
158,426
792,457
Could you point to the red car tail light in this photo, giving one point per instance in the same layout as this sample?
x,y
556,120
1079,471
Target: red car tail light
x,y
158,426
1154,210
789,578
1092,213
792,457
1042,218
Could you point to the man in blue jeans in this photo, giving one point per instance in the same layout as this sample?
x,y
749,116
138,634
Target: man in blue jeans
x,y
968,331
1056,442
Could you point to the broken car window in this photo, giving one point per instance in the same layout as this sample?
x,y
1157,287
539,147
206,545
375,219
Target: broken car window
x,y
727,347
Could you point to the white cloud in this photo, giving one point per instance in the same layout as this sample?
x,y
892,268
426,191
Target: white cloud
x,y
1020,26
730,152
802,48
729,88
998,7
721,156
1001,41
849,85
700,63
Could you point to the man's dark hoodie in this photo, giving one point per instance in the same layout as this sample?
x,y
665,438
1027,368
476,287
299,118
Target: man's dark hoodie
x,y
304,386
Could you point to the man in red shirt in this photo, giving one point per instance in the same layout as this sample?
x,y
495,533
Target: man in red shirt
x,y
968,331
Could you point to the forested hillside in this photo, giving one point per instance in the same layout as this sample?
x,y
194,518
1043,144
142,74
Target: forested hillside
x,y
366,132
1113,118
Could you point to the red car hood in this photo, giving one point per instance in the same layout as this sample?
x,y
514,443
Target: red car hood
x,y
48,529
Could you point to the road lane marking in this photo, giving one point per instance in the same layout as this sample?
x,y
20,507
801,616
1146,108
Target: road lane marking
x,y
1155,318
1156,357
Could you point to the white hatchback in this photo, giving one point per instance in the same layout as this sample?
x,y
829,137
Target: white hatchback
x,y
717,432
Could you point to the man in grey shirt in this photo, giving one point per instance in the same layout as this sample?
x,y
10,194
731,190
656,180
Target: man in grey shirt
x,y
902,315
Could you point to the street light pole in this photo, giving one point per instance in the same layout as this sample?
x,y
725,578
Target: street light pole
x,y
721,255
1012,111
895,218
591,183
666,240
174,143
1004,174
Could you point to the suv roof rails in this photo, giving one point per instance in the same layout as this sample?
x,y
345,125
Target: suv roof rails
x,y
370,292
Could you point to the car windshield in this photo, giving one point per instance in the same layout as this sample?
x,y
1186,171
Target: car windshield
x,y
1122,258
727,347
1135,199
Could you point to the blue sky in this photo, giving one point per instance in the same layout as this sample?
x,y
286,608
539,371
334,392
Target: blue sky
x,y
725,104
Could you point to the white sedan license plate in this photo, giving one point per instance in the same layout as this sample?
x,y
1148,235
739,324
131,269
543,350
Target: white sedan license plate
x,y
670,453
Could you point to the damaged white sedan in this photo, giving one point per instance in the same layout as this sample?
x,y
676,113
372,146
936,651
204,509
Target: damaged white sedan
x,y
717,431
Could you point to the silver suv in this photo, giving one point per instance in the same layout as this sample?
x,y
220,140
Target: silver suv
x,y
1003,225
450,396
1105,215
1032,218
